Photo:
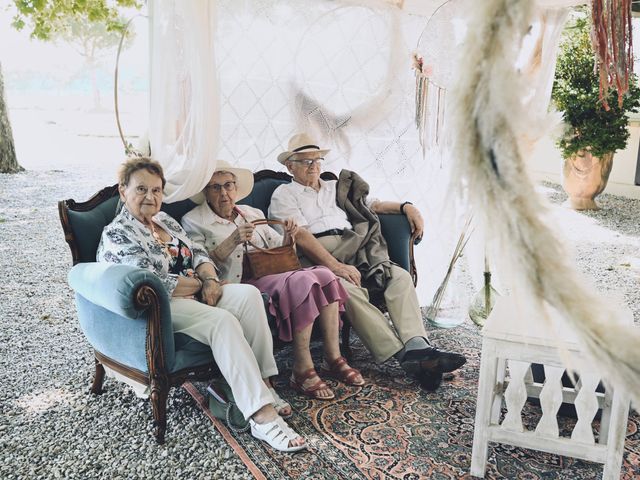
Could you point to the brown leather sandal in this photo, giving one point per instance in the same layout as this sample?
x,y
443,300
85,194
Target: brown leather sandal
x,y
346,375
297,383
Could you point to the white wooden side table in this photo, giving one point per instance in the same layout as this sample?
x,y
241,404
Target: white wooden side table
x,y
510,345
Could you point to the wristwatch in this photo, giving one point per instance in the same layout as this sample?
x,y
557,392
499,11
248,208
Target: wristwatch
x,y
402,205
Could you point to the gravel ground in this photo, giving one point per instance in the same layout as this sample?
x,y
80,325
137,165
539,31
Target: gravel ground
x,y
606,243
50,426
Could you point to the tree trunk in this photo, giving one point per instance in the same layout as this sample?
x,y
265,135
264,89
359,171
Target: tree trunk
x,y
8,160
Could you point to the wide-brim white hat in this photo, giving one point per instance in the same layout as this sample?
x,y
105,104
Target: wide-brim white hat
x,y
244,181
301,145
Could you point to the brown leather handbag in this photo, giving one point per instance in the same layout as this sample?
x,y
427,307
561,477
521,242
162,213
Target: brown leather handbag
x,y
261,262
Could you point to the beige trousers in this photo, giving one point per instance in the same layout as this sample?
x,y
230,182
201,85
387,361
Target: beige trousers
x,y
382,338
236,329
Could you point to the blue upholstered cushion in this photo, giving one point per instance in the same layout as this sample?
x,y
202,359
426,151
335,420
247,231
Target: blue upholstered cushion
x,y
178,209
87,227
120,338
189,353
111,288
260,197
397,232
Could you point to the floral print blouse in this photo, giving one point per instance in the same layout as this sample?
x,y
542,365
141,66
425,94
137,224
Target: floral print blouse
x,y
128,241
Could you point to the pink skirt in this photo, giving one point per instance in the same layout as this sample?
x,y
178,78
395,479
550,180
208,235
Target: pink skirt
x,y
295,298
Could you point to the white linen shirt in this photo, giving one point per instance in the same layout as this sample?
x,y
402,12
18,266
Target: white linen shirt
x,y
317,211
207,228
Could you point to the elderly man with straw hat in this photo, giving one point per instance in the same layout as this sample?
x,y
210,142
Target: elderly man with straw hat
x,y
311,202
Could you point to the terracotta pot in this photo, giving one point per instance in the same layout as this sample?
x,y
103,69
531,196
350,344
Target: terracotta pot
x,y
584,177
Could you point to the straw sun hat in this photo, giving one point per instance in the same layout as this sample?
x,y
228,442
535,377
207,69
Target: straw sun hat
x,y
301,145
244,181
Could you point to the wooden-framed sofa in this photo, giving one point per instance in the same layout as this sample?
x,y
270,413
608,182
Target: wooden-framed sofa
x,y
124,311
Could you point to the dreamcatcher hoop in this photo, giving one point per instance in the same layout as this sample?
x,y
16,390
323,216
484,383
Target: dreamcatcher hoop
x,y
426,26
431,88
329,126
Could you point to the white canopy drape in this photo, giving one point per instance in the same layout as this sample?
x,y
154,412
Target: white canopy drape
x,y
275,68
184,113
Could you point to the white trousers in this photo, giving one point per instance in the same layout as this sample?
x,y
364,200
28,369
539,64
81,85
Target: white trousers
x,y
237,331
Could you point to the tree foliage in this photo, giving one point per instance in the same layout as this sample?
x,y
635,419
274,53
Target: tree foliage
x,y
45,18
576,93
92,40
49,19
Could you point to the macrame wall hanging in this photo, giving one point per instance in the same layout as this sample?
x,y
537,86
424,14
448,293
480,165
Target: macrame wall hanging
x,y
429,133
433,65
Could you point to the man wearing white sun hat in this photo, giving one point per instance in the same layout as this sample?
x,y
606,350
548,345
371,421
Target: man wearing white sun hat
x,y
311,201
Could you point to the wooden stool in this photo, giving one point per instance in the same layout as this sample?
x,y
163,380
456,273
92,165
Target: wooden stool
x,y
512,344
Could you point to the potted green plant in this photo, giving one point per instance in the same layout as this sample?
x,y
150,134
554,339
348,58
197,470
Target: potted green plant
x,y
593,133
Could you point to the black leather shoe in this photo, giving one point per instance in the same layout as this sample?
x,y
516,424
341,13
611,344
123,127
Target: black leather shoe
x,y
429,381
432,361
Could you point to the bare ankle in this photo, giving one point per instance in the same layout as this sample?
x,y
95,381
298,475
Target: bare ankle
x,y
299,369
265,414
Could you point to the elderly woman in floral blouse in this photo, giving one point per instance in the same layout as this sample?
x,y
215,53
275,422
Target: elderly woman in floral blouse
x,y
230,318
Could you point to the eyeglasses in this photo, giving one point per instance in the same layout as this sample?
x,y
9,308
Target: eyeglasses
x,y
217,187
308,162
141,190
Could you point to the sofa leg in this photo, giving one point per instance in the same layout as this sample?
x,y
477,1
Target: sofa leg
x,y
159,394
98,379
345,345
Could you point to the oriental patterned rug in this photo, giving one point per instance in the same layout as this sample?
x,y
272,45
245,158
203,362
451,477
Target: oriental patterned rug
x,y
391,429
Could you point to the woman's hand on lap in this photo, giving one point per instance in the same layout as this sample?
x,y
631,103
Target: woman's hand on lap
x,y
211,292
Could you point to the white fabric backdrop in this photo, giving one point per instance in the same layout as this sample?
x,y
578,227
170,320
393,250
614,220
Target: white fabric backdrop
x,y
339,69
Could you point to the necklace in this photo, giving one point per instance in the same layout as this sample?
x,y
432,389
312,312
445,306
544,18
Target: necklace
x,y
156,236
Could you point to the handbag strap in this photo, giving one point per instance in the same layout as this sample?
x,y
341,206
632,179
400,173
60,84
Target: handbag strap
x,y
266,221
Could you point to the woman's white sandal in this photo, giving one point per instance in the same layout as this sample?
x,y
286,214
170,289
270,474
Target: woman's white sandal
x,y
280,404
277,434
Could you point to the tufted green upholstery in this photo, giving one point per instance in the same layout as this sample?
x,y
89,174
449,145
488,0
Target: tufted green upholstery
x,y
87,227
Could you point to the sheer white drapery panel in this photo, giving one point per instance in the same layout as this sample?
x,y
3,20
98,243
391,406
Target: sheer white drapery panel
x,y
540,64
184,110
